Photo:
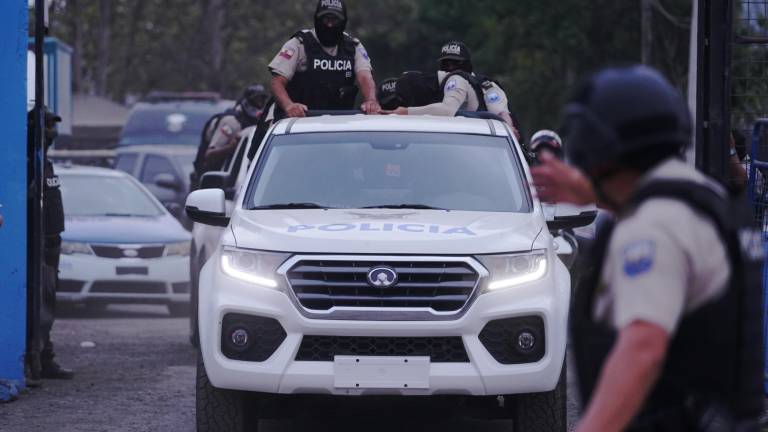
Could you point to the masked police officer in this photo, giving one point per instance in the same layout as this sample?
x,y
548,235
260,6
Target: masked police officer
x,y
221,132
319,69
53,218
667,331
461,89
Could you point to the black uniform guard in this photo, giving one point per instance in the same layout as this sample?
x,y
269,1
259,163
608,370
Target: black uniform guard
x,y
53,218
711,378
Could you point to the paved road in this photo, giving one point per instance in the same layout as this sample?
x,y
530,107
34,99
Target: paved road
x,y
140,377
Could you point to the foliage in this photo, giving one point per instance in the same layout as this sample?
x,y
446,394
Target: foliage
x,y
538,49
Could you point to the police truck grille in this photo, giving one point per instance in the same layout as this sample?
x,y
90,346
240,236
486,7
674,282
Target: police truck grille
x,y
137,251
443,286
438,349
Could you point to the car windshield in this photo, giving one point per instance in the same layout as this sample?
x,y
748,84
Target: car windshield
x,y
98,195
390,170
179,124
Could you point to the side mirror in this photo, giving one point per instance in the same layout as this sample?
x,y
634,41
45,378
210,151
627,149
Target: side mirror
x,y
206,206
214,180
572,221
566,216
167,181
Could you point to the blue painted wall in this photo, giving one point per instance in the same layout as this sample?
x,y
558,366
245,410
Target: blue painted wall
x,y
13,175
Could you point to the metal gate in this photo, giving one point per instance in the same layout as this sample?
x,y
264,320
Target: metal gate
x,y
749,107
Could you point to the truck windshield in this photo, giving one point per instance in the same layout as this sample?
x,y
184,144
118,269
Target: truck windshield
x,y
354,170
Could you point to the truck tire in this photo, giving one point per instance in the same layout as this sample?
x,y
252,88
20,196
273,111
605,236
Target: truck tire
x,y
541,412
219,410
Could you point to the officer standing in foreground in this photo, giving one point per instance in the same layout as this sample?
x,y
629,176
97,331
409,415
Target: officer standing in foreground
x,y
667,332
53,217
461,89
318,69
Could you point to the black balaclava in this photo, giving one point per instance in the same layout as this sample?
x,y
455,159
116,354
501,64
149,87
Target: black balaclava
x,y
330,37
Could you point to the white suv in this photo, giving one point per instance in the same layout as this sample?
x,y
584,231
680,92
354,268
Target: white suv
x,y
383,255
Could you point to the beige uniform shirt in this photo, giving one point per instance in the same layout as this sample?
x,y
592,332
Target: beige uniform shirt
x,y
225,133
664,259
292,58
460,96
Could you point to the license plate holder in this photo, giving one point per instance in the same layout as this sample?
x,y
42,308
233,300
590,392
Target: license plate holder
x,y
367,372
124,271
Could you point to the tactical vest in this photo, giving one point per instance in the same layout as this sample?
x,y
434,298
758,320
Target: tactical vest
x,y
480,84
329,81
714,365
53,209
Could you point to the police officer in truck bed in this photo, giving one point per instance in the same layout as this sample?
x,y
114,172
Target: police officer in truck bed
x,y
321,69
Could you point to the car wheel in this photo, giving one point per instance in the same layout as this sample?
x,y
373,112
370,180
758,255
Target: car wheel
x,y
219,410
540,412
178,309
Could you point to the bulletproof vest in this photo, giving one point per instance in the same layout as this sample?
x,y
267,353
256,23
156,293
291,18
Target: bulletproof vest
x,y
480,84
53,209
329,81
205,139
715,359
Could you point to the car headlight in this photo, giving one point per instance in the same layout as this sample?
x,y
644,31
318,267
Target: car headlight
x,y
507,271
258,268
180,249
72,248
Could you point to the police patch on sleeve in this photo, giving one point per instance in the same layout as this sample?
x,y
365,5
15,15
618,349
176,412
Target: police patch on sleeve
x,y
364,53
492,97
452,84
639,257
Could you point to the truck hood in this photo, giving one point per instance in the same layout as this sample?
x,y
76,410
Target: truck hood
x,y
385,231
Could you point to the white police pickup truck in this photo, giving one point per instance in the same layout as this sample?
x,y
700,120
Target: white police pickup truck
x,y
382,255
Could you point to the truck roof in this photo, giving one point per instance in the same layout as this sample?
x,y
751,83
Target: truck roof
x,y
391,123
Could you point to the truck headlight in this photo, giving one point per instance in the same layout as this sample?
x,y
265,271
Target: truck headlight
x,y
178,249
258,268
72,248
511,270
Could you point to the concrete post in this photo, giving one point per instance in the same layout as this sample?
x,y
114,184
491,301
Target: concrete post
x,y
13,195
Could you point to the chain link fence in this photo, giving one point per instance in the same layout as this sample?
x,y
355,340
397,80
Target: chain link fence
x,y
749,99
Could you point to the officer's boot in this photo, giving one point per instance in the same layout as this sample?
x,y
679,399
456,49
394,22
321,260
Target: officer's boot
x,y
49,368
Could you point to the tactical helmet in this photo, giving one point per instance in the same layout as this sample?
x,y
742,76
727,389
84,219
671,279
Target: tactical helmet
x,y
457,51
387,94
629,117
547,139
253,100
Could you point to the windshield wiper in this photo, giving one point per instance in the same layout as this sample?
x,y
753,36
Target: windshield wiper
x,y
405,206
119,215
290,206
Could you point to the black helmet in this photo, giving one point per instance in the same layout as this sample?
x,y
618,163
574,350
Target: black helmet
x,y
253,100
387,94
456,51
330,36
629,117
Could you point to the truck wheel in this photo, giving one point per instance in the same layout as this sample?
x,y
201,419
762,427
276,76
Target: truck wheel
x,y
541,412
219,410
